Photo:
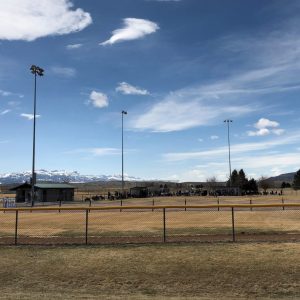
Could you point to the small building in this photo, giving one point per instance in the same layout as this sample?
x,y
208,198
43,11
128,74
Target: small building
x,y
139,192
45,192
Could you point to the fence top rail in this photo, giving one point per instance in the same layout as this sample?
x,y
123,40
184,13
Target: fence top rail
x,y
150,207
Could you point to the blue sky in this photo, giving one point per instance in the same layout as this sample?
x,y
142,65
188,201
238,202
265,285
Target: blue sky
x,y
178,67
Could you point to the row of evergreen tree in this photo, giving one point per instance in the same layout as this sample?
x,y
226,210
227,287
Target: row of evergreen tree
x,y
239,179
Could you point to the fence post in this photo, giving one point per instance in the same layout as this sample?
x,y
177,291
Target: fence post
x,y
16,227
218,204
121,204
86,225
164,222
185,204
152,204
59,205
251,204
233,228
282,200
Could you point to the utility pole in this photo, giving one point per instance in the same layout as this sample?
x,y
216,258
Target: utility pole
x,y
229,158
123,113
40,72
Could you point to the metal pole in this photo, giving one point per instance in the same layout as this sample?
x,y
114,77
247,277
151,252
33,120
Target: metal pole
x,y
233,228
185,204
33,146
86,225
123,113
282,203
229,158
36,71
164,222
16,227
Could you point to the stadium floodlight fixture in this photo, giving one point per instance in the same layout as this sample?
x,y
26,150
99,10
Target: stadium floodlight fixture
x,y
37,70
40,72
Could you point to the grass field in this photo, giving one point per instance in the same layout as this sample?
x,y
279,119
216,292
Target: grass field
x,y
172,271
143,223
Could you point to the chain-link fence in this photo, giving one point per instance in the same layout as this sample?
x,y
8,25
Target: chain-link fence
x,y
149,224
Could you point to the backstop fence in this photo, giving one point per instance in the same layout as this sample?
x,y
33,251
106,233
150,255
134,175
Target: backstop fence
x,y
149,224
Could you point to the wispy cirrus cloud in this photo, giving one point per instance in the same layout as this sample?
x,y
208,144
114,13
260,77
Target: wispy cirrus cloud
x,y
128,89
64,71
97,151
178,112
235,149
31,19
4,112
164,0
263,66
98,99
214,137
7,93
271,164
73,46
133,29
29,117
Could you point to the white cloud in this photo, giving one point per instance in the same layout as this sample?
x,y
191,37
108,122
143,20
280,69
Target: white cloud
x,y
96,151
64,71
278,131
127,89
5,93
200,140
266,127
264,123
133,29
260,132
29,116
4,112
14,103
73,46
98,100
31,19
214,137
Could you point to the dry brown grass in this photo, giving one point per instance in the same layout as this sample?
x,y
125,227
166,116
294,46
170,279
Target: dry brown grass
x,y
174,271
145,222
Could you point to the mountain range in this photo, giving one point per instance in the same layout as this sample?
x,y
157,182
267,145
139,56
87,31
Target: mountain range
x,y
61,176
76,177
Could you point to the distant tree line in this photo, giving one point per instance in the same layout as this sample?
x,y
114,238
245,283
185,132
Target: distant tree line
x,y
239,179
296,181
295,184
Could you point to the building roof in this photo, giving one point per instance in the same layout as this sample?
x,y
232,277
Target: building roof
x,y
25,185
44,186
54,186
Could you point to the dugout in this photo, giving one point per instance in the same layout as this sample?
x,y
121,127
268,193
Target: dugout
x,y
45,192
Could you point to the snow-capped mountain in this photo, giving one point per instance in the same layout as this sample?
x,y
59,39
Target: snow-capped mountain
x,y
60,176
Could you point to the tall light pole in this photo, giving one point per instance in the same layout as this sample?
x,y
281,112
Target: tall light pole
x,y
40,72
123,113
229,159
